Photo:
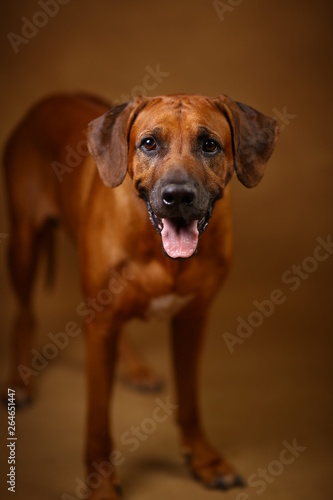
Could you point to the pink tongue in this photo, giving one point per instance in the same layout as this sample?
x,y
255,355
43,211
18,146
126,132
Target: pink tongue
x,y
179,241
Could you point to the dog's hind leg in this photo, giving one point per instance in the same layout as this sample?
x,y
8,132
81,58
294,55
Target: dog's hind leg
x,y
135,373
25,245
32,210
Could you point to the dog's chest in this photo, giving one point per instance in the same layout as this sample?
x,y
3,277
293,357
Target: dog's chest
x,y
166,306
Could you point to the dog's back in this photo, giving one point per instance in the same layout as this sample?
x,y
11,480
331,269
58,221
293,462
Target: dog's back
x,y
45,159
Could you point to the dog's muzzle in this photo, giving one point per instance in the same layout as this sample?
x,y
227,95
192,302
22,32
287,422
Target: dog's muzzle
x,y
180,212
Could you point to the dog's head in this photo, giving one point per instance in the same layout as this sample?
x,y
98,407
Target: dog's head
x,y
181,152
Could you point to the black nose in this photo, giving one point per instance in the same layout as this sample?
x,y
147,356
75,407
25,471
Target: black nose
x,y
174,195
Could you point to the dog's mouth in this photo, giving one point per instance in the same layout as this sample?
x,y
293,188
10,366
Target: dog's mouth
x,y
180,239
179,236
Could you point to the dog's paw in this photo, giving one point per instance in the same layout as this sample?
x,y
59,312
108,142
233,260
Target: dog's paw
x,y
212,470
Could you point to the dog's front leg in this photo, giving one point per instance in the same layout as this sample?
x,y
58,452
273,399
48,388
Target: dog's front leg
x,y
206,464
101,347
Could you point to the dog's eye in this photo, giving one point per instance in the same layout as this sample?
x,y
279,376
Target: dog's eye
x,y
210,146
149,144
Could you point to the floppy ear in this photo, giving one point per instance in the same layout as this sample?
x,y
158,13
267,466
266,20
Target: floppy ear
x,y
254,136
108,140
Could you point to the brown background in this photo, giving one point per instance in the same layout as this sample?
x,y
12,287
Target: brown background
x,y
277,385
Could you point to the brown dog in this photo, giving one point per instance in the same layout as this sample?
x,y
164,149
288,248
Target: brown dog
x,y
177,154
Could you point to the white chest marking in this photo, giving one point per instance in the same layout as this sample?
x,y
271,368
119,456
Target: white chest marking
x,y
166,306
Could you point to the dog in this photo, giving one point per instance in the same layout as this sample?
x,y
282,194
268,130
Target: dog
x,y
143,190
